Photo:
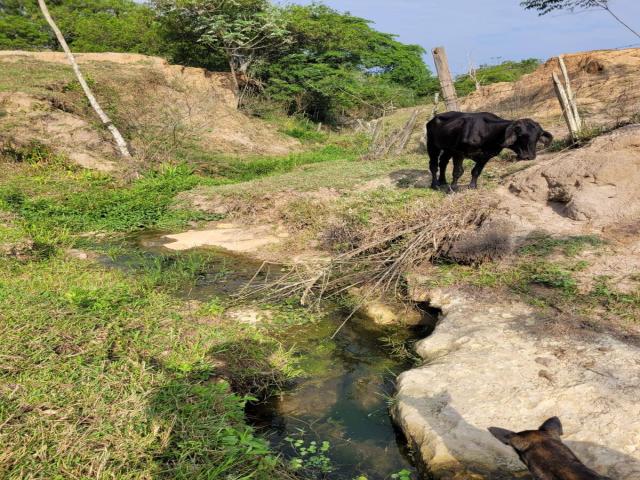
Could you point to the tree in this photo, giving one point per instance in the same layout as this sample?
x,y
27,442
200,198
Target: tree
x,y
243,29
547,6
89,26
508,71
122,145
337,66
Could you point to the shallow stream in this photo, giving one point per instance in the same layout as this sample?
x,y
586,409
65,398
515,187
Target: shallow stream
x,y
342,400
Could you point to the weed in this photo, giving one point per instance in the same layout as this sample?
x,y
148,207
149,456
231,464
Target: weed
x,y
35,153
310,456
550,275
402,475
103,205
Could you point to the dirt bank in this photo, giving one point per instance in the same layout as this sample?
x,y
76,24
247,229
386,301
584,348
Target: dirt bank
x,y
159,107
605,82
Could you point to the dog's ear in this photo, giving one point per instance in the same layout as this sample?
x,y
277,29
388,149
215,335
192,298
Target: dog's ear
x,y
520,442
517,441
546,138
552,426
510,135
502,434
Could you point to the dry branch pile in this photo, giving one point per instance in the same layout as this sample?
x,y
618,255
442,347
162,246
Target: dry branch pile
x,y
425,232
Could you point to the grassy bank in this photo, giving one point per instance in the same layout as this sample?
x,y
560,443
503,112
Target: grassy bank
x,y
108,373
547,272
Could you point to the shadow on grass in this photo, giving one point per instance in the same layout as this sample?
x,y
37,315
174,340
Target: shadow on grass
x,y
202,415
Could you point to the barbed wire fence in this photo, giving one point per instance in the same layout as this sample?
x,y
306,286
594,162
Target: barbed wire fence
x,y
607,95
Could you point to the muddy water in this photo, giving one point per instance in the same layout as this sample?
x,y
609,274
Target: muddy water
x,y
342,399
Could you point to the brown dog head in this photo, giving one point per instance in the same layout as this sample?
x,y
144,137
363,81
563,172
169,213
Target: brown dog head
x,y
544,454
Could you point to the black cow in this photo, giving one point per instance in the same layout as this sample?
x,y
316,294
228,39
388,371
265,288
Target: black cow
x,y
480,137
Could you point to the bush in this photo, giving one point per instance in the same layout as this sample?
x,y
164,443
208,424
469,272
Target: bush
x,y
487,74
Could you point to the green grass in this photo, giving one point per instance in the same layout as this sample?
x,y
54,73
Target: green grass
x,y
546,274
105,374
246,169
75,202
545,245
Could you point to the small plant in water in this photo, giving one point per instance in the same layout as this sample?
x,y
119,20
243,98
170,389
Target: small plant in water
x,y
402,475
310,456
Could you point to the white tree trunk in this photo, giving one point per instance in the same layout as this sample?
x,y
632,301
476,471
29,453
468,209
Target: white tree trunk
x,y
120,142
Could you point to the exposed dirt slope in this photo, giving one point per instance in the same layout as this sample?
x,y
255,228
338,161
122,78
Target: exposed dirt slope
x,y
594,187
606,84
157,105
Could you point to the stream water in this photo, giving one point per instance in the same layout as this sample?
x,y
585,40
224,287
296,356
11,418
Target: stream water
x,y
343,399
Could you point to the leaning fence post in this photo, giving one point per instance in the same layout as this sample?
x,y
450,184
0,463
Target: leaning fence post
x,y
570,94
566,107
446,81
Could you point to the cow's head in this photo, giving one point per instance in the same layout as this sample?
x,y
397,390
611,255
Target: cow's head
x,y
522,136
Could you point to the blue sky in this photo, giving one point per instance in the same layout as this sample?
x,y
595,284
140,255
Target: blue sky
x,y
490,31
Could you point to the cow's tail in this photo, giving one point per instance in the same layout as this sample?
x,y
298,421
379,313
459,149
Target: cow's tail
x,y
432,149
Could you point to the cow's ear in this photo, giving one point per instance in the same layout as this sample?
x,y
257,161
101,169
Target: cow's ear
x,y
546,138
552,426
510,136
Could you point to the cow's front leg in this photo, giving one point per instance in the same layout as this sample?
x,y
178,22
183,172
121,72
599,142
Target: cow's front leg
x,y
477,170
458,170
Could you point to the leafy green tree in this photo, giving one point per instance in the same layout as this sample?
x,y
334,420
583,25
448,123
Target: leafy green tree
x,y
22,26
88,26
243,29
336,65
508,71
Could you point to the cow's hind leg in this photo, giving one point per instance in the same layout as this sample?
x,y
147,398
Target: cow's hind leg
x,y
444,162
458,170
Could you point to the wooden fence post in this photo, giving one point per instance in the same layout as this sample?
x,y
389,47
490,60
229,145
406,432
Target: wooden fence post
x,y
566,106
570,94
436,101
446,80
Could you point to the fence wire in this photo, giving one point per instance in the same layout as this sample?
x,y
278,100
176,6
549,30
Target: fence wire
x,y
606,86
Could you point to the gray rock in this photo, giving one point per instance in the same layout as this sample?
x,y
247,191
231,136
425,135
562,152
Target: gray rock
x,y
485,367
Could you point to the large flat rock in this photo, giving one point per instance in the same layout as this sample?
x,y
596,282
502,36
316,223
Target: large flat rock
x,y
490,364
232,237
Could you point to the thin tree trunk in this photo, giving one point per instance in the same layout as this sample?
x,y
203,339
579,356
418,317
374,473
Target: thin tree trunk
x,y
120,142
234,77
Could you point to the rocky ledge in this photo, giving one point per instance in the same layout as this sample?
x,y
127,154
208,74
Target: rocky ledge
x,y
494,364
